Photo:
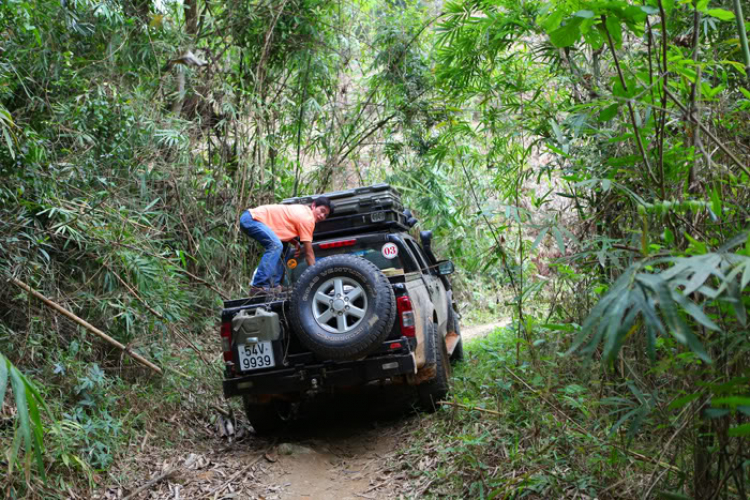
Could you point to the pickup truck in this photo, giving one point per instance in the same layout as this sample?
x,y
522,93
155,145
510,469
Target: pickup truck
x,y
376,307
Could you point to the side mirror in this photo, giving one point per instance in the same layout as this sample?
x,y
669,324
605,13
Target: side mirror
x,y
426,238
445,267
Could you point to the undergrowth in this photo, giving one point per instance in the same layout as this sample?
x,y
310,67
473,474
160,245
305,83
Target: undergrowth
x,y
103,414
525,432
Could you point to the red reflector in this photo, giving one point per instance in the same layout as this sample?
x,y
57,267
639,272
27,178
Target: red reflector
x,y
406,316
226,341
337,244
395,345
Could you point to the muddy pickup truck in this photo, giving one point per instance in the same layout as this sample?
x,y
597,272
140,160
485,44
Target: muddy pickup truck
x,y
375,308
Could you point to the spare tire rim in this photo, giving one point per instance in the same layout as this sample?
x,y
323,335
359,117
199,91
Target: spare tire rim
x,y
339,305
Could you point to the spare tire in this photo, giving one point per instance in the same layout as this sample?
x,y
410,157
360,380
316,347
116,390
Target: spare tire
x,y
342,308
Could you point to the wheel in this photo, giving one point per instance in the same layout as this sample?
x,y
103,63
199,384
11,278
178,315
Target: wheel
x,y
266,417
342,307
435,389
458,353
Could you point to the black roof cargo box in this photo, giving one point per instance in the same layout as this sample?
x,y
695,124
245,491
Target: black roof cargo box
x,y
349,224
359,200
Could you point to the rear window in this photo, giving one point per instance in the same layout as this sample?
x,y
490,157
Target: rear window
x,y
368,251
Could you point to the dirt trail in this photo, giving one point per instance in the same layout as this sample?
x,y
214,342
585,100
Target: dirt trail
x,y
339,462
474,331
341,449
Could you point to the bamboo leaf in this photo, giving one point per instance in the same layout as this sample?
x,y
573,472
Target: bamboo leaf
x,y
9,143
37,430
677,325
683,401
597,312
731,401
609,112
559,239
22,409
706,269
740,430
540,237
650,319
721,14
694,311
622,420
566,35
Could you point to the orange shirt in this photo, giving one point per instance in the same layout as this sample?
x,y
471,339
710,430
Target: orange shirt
x,y
287,221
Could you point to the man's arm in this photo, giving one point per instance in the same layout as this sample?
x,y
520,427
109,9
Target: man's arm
x,y
309,254
297,248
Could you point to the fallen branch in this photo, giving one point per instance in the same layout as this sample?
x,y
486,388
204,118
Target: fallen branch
x,y
87,325
237,474
151,483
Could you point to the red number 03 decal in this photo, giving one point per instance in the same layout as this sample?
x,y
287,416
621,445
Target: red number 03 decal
x,y
390,250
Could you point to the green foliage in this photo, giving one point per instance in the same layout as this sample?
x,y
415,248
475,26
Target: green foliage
x,y
635,295
28,404
518,420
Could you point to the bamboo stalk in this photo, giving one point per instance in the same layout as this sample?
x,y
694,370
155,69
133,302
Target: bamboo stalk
x,y
87,325
739,17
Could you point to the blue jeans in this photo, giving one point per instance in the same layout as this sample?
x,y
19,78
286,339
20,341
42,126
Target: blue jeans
x,y
271,266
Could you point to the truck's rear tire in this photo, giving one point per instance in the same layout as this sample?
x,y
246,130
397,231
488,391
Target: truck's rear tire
x,y
434,390
265,417
342,308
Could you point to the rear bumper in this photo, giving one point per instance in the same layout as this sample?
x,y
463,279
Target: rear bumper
x,y
321,375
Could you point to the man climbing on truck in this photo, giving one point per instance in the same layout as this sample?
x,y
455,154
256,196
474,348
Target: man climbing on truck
x,y
273,225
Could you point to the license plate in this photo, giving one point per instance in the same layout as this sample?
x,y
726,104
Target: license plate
x,y
256,356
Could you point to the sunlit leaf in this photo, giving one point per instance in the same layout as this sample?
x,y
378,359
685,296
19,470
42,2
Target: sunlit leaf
x,y
721,14
740,430
568,34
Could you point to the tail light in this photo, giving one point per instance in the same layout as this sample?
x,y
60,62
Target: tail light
x,y
337,244
226,341
406,316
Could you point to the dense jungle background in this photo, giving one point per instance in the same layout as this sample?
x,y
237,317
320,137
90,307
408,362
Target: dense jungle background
x,y
585,164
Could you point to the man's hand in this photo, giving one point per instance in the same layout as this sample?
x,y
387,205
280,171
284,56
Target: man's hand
x,y
298,250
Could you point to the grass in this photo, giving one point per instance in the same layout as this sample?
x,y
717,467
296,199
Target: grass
x,y
528,431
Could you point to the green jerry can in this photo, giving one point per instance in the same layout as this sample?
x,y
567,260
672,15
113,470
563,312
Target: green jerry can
x,y
261,326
